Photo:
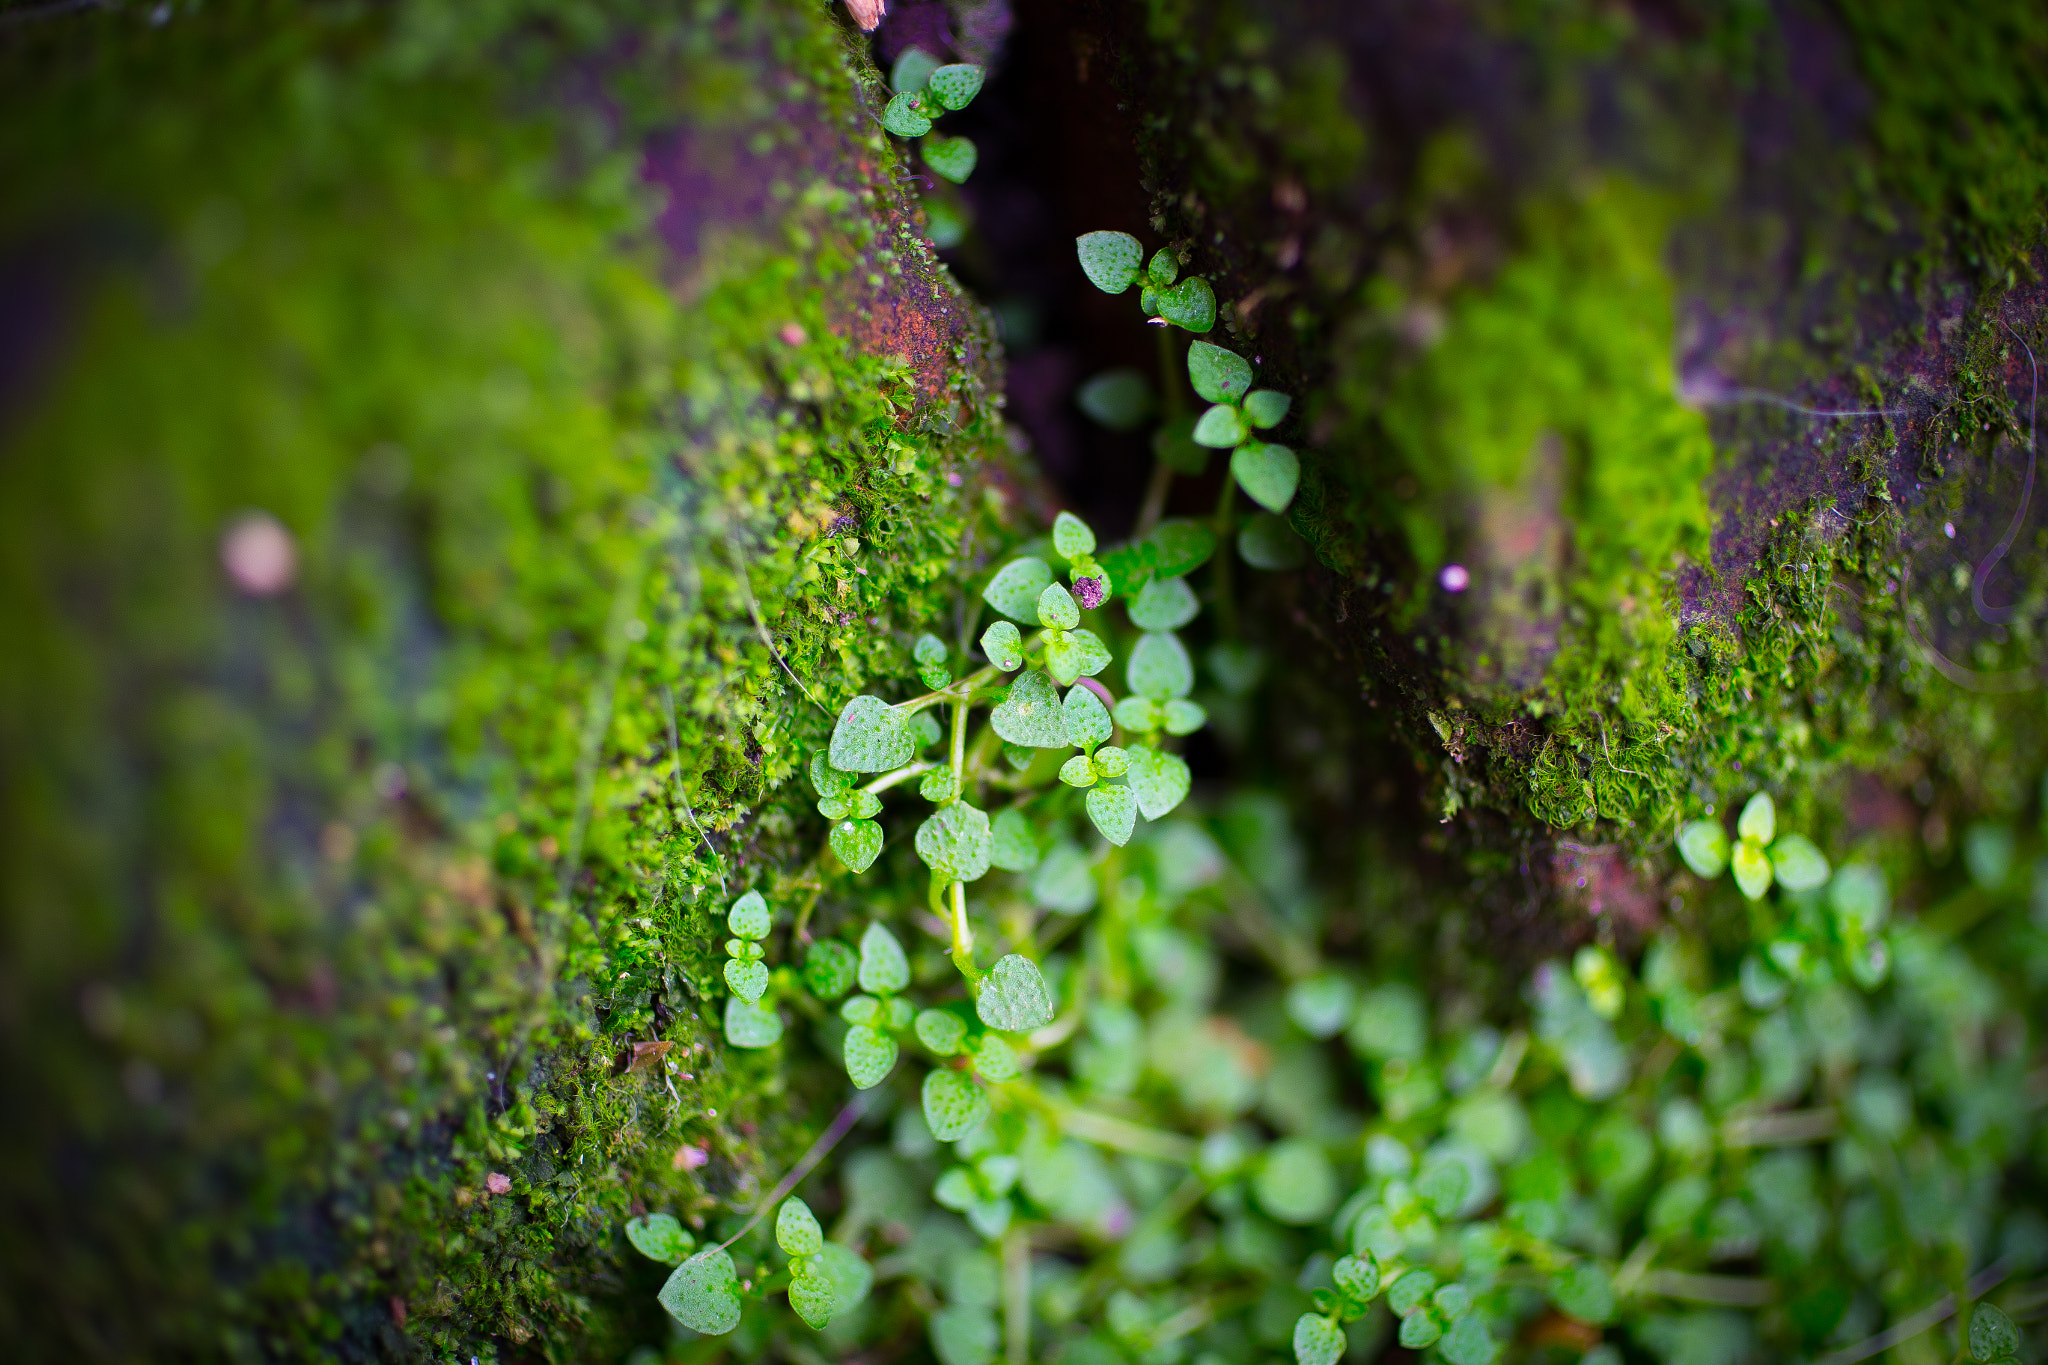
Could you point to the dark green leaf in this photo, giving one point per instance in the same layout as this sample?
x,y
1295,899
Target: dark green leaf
x,y
1190,304
1173,445
829,968
1218,375
954,842
956,85
950,157
907,115
1268,542
1584,1291
1267,473
1119,399
1163,269
1993,1337
1183,546
871,737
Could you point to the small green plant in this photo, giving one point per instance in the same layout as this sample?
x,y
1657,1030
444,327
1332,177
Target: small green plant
x,y
926,90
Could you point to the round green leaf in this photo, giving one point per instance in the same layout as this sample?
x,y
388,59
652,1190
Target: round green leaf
x,y
1268,542
1704,846
1184,717
850,1276
1296,1182
1266,407
1759,819
827,780
1468,1342
1086,720
1114,811
1078,771
1190,304
813,1297
1003,646
751,1023
856,843
1057,609
862,1009
829,968
659,1237
937,786
955,85
1317,1340
1138,714
954,842
1419,1329
1220,428
907,115
1110,761
883,968
1076,655
1030,714
748,980
954,1105
964,1336
950,157
1861,897
1157,780
1015,589
1111,260
995,1059
1173,445
1321,1005
1584,1291
1993,1337
1357,1279
1013,844
1411,1291
1267,473
871,737
796,1229
701,1294
1064,883
748,917
942,1032
1159,667
912,70
924,731
1071,537
1119,399
1163,268
1013,997
1164,604
869,1054
1798,864
1218,375
1752,868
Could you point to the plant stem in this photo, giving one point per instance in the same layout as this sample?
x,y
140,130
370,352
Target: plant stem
x,y
963,935
1154,505
1017,1296
1226,601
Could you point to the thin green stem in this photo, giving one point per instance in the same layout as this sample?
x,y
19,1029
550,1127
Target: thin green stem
x,y
1017,1296
1226,600
963,935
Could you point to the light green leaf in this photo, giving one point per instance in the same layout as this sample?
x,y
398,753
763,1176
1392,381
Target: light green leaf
x,y
1411,1291
829,968
1268,542
995,1059
1077,655
659,1237
884,970
954,1105
1184,717
1704,846
1057,609
954,842
850,1276
748,980
827,780
942,1031
813,1297
1296,1182
1064,883
1013,997
1190,304
1584,1291
1003,646
956,85
924,731
1015,589
751,1023
1164,604
1139,714
1266,407
1030,714
1159,667
1322,1005
748,917
869,1054
950,157
1419,1330
1752,869
1078,771
1158,781
1219,376
1267,473
1357,1278
1071,537
912,70
871,737
1110,761
1013,844
701,1294
937,786
1861,897
1317,1340
1798,864
856,843
1163,268
1114,811
964,1336
1759,819
907,115
796,1229
1087,722
1111,260
1468,1343
1220,428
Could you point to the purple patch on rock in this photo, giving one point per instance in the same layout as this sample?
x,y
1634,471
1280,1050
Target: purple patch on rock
x,y
1089,592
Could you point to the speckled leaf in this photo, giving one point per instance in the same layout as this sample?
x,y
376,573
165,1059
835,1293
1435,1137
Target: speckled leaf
x,y
1190,304
883,968
1013,844
1015,589
1468,1343
1076,655
1159,667
701,1293
751,1023
813,1297
1114,811
956,85
1419,1330
1057,609
796,1229
1087,721
995,1060
829,968
954,1105
869,1054
907,115
851,1277
1218,375
1267,473
1004,646
1220,428
952,157
1163,268
1111,260
856,843
827,780
1317,1340
942,1032
659,1237
1013,997
1138,714
1266,407
1030,713
1165,604
748,980
871,737
748,917
1071,536
1993,1337
954,842
1078,771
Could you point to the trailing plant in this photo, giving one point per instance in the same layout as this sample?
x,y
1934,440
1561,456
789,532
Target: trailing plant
x,y
925,91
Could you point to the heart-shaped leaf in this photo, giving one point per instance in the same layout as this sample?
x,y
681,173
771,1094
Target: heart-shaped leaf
x,y
1057,609
748,917
884,969
1317,1340
954,1105
701,1294
1165,604
1013,845
871,737
954,842
1087,720
829,968
659,1237
749,980
1076,655
912,70
1015,589
1030,713
1078,772
1114,811
955,85
1158,780
850,1276
1184,717
751,1023
1138,714
1268,542
1163,268
1218,375
855,843
942,1032
869,1054
813,1297
1071,537
951,157
1267,473
796,1229
1357,1278
1468,1343
1190,304
1993,1337
1013,997
1266,407
1159,667
1003,646
907,114
827,780
1110,260
1220,428
995,1060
